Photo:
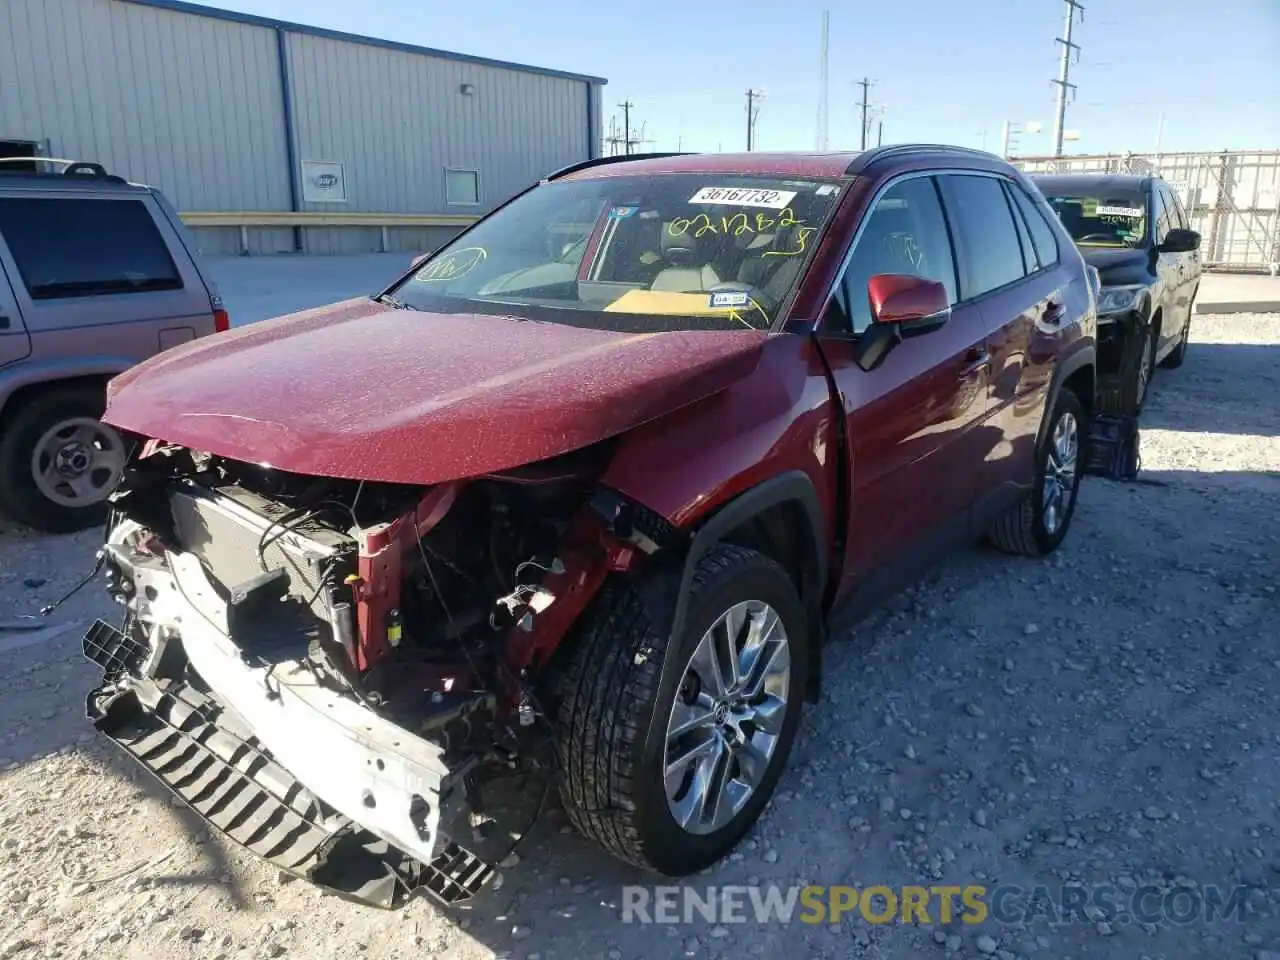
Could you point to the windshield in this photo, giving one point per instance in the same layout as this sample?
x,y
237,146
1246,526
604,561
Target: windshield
x,y
634,253
1103,221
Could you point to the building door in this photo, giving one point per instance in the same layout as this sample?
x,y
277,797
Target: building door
x,y
19,148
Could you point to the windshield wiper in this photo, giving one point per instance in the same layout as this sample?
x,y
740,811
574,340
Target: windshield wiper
x,y
392,302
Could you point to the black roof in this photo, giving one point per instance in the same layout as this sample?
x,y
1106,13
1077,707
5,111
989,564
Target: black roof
x,y
1101,183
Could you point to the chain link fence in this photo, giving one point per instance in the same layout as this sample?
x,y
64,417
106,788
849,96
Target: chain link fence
x,y
1232,198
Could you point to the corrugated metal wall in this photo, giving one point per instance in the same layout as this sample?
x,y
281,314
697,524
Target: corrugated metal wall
x,y
1232,198
194,105
397,120
189,104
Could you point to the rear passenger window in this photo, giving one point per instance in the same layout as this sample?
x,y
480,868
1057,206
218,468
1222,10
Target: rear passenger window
x,y
86,248
988,239
905,233
1042,235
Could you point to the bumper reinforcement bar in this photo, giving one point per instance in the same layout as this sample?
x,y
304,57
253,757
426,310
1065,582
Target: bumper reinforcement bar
x,y
189,742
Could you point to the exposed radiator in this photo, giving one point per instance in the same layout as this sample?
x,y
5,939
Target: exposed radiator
x,y
226,531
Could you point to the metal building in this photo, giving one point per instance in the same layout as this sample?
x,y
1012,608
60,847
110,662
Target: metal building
x,y
271,136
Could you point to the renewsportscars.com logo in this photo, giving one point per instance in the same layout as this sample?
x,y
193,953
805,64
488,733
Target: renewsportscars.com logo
x,y
937,904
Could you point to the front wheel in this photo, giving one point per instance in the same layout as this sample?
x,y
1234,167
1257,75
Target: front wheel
x,y
58,462
670,775
1038,524
1127,394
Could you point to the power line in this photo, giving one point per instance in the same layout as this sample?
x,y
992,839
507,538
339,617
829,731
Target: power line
x,y
1064,72
626,137
753,111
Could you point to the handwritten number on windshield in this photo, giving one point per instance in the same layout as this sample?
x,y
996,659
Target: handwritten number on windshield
x,y
735,225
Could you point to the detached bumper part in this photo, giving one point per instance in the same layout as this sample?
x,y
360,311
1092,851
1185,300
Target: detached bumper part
x,y
314,782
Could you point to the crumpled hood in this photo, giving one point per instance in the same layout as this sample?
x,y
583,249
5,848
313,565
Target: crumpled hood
x,y
361,390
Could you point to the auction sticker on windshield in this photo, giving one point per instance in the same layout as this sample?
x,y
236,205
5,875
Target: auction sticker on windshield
x,y
1119,212
744,197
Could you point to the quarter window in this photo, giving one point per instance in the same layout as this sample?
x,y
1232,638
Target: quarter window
x,y
85,248
905,233
987,237
1030,262
1042,235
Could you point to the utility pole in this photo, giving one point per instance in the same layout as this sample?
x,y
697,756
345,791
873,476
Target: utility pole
x,y
879,133
1064,72
626,106
865,84
820,140
752,112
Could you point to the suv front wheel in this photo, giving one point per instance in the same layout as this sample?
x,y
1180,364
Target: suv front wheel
x,y
669,775
58,462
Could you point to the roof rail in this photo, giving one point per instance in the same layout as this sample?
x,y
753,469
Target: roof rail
x,y
868,157
616,158
71,168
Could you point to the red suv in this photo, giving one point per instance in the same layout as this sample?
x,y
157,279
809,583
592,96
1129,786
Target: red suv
x,y
595,476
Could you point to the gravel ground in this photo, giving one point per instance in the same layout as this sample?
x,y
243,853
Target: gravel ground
x,y
1109,717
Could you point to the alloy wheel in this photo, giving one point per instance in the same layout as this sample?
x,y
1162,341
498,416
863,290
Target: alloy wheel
x,y
727,717
77,462
1060,472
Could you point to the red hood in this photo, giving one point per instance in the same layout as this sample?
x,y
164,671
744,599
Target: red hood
x,y
363,391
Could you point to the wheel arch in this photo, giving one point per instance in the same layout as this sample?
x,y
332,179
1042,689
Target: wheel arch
x,y
12,401
1077,372
781,518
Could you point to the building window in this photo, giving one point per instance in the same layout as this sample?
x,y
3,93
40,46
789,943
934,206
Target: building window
x,y
86,248
462,187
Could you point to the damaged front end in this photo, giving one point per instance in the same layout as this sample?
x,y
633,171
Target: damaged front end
x,y
334,673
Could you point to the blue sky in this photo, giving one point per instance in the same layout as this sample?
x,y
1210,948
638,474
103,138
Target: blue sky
x,y
942,70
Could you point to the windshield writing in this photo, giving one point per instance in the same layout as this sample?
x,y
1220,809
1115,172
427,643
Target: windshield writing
x,y
1103,221
673,251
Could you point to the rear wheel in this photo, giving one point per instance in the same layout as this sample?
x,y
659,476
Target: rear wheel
x,y
670,775
58,462
1039,522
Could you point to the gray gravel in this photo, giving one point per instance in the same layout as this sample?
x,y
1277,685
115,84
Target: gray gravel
x,y
1108,717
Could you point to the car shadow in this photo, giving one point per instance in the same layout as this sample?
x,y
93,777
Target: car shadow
x,y
1192,397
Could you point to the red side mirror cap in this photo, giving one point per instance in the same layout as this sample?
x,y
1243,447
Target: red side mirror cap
x,y
898,298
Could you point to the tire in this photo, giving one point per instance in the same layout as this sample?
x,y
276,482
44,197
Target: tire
x,y
31,427
1129,394
612,723
1023,531
1179,353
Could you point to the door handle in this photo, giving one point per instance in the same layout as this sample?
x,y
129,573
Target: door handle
x,y
4,323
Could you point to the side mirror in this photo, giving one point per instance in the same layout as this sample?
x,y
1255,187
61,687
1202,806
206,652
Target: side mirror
x,y
1178,240
902,306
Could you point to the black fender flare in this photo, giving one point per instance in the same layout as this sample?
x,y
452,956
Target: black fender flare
x,y
1083,356
793,486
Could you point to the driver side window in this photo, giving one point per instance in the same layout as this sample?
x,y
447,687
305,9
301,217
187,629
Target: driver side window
x,y
905,233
